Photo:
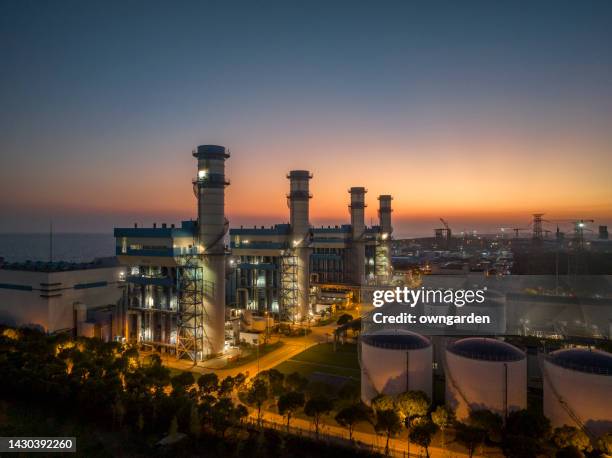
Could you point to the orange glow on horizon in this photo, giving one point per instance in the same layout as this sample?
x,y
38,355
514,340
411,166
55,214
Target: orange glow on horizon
x,y
490,178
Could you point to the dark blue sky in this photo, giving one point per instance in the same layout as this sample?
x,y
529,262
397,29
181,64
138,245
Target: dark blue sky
x,y
102,102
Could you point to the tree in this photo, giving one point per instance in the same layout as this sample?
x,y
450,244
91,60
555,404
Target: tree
x,y
569,452
195,424
520,447
443,417
226,387
525,433
316,407
208,384
351,415
569,436
119,411
290,402
240,413
411,405
350,391
239,380
257,395
296,382
344,318
275,380
181,382
383,402
388,422
422,432
173,430
527,423
222,415
469,436
487,421
604,443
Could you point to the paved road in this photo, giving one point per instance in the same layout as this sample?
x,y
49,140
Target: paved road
x,y
290,348
398,446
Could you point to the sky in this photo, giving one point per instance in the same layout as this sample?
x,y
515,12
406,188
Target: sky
x,y
478,112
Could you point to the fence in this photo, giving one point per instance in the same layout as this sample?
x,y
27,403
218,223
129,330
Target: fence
x,y
330,438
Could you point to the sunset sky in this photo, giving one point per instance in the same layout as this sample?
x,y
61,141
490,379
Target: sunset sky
x,y
478,112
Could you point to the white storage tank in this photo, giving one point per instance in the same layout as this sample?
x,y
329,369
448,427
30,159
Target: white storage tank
x,y
578,389
393,362
485,373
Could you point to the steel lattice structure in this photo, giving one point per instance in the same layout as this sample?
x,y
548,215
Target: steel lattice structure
x,y
190,312
289,286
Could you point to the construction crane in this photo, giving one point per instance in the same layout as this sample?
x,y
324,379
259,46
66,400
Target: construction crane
x,y
448,229
537,226
444,233
515,229
580,225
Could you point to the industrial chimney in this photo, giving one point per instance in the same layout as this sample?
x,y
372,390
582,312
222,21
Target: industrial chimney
x,y
383,245
357,210
210,186
384,214
298,200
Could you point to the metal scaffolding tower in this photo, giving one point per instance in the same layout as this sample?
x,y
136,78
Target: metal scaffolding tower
x,y
538,231
382,261
289,286
190,311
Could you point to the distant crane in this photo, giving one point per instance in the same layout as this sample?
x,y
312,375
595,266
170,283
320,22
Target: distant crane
x,y
448,229
444,233
515,229
537,226
580,225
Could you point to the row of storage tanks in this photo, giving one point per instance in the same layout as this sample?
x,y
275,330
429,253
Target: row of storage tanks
x,y
487,373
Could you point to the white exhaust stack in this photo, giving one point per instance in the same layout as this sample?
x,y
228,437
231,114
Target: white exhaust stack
x,y
212,227
299,202
357,210
383,249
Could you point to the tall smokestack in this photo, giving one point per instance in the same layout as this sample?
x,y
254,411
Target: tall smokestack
x,y
357,210
299,197
384,214
299,201
212,226
383,244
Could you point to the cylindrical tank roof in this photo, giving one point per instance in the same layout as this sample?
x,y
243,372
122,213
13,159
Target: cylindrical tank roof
x,y
204,151
487,349
583,360
406,340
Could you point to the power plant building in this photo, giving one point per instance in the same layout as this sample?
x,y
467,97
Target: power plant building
x,y
286,268
176,276
63,296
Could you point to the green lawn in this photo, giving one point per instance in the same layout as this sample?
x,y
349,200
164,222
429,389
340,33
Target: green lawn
x,y
322,358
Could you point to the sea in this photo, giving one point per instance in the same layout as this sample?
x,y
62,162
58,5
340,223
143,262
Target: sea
x,y
60,247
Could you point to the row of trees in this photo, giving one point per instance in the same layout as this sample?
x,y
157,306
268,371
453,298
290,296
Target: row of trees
x,y
523,434
107,385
